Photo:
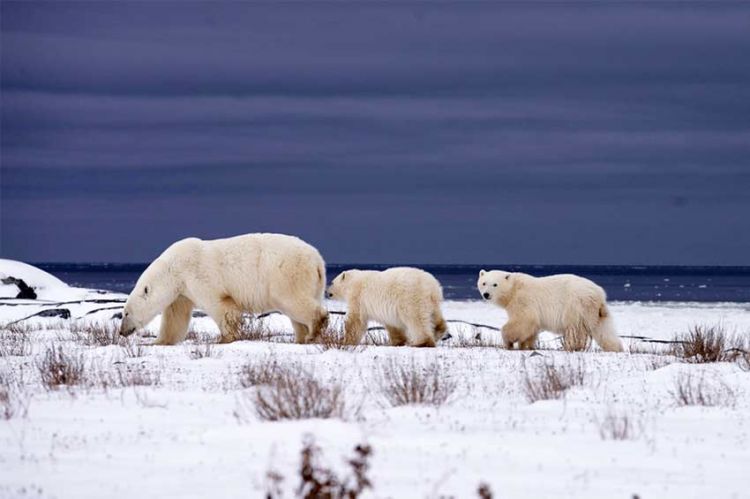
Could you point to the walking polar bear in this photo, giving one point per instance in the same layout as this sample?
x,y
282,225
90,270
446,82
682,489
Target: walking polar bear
x,y
405,300
225,277
565,304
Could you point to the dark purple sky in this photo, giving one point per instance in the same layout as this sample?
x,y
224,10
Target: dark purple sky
x,y
613,133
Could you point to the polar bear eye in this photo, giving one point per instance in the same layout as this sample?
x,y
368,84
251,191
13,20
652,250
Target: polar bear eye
x,y
145,290
494,285
507,277
484,284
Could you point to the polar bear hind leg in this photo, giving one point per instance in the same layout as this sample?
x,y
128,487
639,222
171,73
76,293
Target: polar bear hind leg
x,y
175,321
604,333
440,327
309,319
420,331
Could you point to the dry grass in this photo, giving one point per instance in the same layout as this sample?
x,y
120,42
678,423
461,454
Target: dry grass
x,y
320,482
254,329
294,393
58,367
137,374
334,338
14,402
619,426
405,384
96,333
691,391
578,342
259,371
377,337
14,341
704,344
550,381
203,348
133,348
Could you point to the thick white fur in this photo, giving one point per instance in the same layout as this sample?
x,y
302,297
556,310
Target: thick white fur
x,y
225,277
565,304
405,300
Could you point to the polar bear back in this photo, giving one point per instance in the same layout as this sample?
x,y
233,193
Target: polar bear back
x,y
558,299
393,294
255,270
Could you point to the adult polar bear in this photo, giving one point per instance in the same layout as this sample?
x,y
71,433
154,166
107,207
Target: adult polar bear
x,y
565,304
225,277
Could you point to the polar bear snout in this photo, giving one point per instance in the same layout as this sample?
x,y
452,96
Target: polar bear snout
x,y
486,295
126,326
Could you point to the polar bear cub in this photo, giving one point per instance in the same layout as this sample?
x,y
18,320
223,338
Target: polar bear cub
x,y
253,273
404,299
565,304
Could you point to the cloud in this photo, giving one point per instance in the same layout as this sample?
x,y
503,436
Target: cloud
x,y
574,127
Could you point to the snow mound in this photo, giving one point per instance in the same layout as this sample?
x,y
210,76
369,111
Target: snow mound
x,y
46,286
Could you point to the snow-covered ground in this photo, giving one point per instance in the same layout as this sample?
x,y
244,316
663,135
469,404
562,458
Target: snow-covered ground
x,y
193,431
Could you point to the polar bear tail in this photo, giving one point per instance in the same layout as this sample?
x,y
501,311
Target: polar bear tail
x,y
604,333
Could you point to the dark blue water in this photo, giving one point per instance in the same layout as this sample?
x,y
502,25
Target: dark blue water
x,y
637,283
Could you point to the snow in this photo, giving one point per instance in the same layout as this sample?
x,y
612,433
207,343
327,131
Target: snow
x,y
47,287
183,437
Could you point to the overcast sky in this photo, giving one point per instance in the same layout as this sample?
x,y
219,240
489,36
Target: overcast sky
x,y
616,133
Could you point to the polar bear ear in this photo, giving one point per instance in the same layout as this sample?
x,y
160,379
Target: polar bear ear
x,y
482,272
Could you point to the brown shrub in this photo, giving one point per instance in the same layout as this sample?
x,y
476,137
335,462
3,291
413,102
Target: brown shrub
x,y
704,344
259,371
294,393
319,482
551,382
484,491
58,367
413,384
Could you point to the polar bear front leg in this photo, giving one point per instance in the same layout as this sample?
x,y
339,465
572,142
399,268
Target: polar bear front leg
x,y
174,322
396,336
519,331
300,332
354,327
420,332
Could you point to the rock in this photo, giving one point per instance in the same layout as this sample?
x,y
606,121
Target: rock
x,y
62,313
25,291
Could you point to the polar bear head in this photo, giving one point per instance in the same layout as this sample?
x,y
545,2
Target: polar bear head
x,y
340,286
494,285
154,292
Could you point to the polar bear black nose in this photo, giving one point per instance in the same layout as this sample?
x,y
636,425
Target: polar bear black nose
x,y
486,296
